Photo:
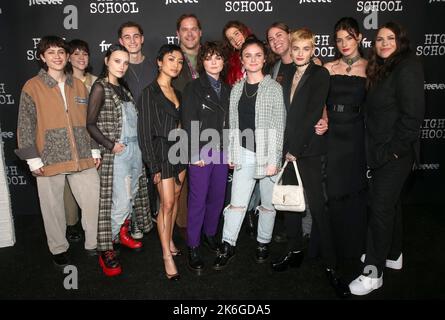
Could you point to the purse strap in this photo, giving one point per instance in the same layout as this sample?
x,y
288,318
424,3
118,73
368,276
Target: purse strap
x,y
297,173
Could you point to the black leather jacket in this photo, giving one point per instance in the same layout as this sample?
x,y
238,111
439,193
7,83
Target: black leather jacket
x,y
201,104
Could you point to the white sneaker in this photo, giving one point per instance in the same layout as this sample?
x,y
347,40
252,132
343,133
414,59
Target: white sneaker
x,y
364,285
392,264
395,264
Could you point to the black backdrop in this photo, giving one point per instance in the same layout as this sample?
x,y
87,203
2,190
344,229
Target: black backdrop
x,y
24,22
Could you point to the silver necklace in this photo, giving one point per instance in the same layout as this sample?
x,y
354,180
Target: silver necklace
x,y
245,91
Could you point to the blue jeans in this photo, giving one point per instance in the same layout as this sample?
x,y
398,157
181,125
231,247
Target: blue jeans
x,y
126,173
127,170
243,184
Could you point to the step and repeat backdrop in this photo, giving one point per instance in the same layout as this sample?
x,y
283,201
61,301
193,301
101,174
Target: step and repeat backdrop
x,y
24,22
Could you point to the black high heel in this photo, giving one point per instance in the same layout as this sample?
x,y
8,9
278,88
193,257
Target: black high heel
x,y
292,259
341,289
171,277
176,253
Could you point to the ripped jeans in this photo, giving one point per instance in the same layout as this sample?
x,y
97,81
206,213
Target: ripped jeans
x,y
243,184
126,172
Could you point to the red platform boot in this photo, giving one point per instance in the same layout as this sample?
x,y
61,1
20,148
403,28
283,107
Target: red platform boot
x,y
109,263
125,238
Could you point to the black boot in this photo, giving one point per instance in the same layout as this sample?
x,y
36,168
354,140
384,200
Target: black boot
x,y
194,261
210,242
73,234
61,260
280,237
223,257
262,252
250,223
341,289
292,259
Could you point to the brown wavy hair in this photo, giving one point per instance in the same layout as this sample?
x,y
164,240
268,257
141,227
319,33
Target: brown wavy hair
x,y
238,25
350,25
379,68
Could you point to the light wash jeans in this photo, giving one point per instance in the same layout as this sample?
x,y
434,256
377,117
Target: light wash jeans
x,y
127,170
243,184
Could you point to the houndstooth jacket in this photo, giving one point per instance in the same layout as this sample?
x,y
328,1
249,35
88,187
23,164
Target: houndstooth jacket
x,y
270,120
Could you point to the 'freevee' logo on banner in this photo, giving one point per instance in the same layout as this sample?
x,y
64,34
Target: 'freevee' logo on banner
x,y
426,166
114,7
314,1
181,1
434,86
44,2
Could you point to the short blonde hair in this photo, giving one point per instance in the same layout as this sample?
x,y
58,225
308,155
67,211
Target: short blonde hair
x,y
302,34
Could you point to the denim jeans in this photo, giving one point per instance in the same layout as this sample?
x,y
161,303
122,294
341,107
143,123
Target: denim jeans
x,y
243,184
127,170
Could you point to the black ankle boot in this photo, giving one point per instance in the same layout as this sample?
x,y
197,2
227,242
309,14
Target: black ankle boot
x,y
262,252
223,257
73,234
210,242
341,289
61,260
292,259
194,261
280,237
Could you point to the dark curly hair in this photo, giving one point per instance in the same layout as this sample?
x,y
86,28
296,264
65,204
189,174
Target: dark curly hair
x,y
209,48
379,68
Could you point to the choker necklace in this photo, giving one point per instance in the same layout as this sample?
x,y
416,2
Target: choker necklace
x,y
302,65
350,62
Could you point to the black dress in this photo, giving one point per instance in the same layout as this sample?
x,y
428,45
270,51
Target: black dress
x,y
346,168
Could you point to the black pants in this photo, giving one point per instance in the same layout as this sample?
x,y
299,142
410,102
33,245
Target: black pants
x,y
313,175
385,216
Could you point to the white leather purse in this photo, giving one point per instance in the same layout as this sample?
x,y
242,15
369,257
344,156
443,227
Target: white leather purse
x,y
289,197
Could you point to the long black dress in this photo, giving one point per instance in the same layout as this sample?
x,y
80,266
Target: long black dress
x,y
346,168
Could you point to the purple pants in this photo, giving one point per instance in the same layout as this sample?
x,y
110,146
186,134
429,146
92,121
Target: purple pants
x,y
207,187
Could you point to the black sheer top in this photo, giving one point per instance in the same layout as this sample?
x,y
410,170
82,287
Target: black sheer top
x,y
96,101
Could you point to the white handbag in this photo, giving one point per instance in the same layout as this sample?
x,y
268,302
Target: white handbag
x,y
289,197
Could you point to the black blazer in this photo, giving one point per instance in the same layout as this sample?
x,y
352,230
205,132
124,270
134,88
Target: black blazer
x,y
304,111
201,103
157,116
394,111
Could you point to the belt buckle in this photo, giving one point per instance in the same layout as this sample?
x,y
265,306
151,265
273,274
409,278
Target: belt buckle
x,y
340,107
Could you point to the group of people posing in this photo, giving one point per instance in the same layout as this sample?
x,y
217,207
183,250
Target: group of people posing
x,y
111,142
